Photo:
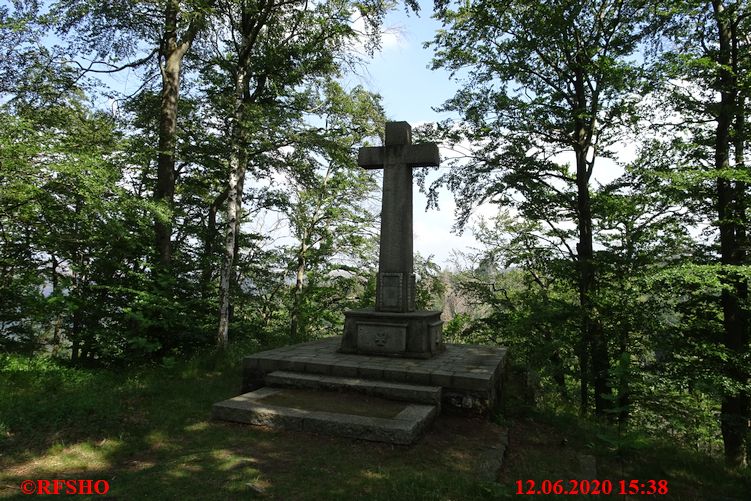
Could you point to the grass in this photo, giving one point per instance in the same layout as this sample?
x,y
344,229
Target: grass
x,y
148,433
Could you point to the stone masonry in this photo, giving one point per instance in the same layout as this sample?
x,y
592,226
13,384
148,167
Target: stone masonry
x,y
393,327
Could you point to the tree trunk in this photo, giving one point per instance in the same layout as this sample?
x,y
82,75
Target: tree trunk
x,y
295,329
559,374
75,335
173,52
592,337
250,25
734,407
208,242
624,391
583,356
742,245
56,321
234,201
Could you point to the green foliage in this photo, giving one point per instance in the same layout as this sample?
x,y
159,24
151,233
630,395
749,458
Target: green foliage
x,y
540,81
430,287
547,91
79,271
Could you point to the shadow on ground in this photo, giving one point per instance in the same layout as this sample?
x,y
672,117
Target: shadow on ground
x,y
149,435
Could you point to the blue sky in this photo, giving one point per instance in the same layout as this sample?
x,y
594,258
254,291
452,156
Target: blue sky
x,y
400,72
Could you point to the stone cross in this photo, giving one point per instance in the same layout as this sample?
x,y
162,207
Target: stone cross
x,y
395,284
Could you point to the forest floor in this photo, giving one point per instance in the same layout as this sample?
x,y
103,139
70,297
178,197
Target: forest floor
x,y
147,432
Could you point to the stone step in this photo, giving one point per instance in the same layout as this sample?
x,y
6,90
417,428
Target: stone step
x,y
471,376
342,414
421,394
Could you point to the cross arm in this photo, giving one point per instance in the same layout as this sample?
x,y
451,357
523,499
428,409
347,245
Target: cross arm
x,y
422,155
414,155
371,157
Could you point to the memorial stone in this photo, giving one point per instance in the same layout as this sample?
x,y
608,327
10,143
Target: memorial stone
x,y
393,327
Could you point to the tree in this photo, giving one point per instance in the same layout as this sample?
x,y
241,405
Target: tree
x,y
111,33
705,80
62,214
326,204
523,295
545,82
642,231
274,48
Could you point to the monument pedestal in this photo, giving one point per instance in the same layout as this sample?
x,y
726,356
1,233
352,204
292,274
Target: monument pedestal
x,y
415,334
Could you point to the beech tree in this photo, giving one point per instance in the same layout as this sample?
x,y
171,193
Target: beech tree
x,y
704,82
543,82
327,206
110,36
63,214
273,47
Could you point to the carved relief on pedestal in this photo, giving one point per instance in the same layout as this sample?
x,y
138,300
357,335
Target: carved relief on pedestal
x,y
381,338
386,338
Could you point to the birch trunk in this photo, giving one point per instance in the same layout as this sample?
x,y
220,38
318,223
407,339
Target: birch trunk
x,y
234,202
295,328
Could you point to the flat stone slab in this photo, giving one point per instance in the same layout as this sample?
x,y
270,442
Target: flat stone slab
x,y
356,416
470,375
386,389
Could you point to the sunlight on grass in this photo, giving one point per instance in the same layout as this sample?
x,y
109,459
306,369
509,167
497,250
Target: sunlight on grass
x,y
200,426
73,458
158,438
158,441
229,460
373,475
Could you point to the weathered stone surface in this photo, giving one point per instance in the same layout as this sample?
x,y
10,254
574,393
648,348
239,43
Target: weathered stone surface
x,y
471,381
385,389
381,333
475,372
381,337
394,328
393,291
237,409
345,369
363,428
370,371
397,157
404,428
442,377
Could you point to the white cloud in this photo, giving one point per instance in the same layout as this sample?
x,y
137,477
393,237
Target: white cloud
x,y
392,37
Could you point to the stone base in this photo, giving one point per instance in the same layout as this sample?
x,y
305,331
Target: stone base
x,y
471,376
416,334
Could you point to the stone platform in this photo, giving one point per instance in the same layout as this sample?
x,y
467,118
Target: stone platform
x,y
470,376
361,417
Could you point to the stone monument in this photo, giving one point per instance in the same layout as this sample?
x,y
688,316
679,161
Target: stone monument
x,y
339,387
394,328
